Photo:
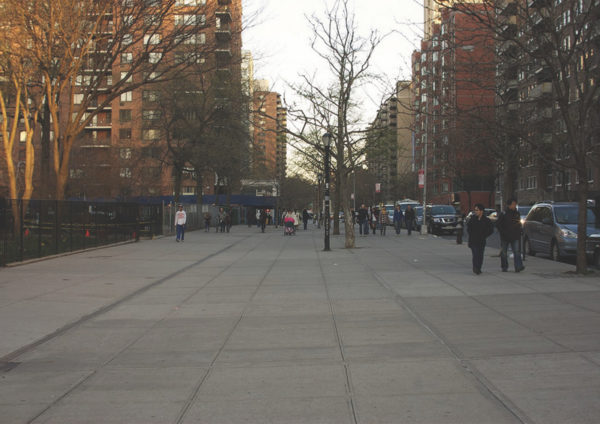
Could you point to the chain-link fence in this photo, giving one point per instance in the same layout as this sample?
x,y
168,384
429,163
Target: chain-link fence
x,y
38,228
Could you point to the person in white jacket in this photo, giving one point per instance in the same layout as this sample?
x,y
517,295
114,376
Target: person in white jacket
x,y
180,218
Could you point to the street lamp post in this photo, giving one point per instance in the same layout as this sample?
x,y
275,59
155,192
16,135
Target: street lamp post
x,y
319,206
327,142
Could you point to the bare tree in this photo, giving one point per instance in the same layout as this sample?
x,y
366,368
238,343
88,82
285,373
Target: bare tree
x,y
550,53
333,107
18,103
74,46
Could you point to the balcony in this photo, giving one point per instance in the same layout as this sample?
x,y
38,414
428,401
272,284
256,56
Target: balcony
x,y
541,90
223,53
223,14
223,34
224,1
538,3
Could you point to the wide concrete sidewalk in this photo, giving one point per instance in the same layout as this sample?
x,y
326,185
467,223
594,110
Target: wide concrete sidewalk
x,y
259,328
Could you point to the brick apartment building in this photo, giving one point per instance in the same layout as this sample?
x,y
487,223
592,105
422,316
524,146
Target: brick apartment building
x,y
123,151
269,140
453,80
390,155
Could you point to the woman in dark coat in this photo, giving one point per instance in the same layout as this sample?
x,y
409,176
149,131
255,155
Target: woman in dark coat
x,y
480,228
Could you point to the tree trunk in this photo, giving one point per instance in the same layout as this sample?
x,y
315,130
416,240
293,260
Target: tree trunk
x,y
199,183
350,237
177,183
46,179
582,192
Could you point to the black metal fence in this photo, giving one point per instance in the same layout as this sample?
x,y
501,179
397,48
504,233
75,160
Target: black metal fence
x,y
38,228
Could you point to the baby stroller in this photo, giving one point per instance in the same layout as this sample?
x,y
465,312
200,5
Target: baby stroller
x,y
289,229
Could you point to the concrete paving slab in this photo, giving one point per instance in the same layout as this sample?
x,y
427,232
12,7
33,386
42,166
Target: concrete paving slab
x,y
275,382
447,408
275,324
313,410
98,410
434,376
400,351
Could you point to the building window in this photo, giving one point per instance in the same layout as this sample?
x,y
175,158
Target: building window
x,y
77,99
154,57
127,96
126,58
152,39
150,115
150,95
125,115
191,2
549,180
189,190
75,173
127,39
125,77
125,173
195,39
125,153
125,133
151,135
197,20
23,136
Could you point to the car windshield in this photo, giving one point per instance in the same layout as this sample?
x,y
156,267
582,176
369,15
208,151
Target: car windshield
x,y
568,215
443,210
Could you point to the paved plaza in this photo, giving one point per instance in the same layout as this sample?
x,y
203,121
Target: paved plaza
x,y
245,327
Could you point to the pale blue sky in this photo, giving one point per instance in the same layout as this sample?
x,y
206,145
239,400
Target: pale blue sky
x,y
280,39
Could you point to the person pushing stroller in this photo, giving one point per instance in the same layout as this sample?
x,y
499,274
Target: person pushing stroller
x,y
289,224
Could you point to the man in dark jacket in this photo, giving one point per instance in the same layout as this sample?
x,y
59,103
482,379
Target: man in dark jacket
x,y
480,228
398,218
363,220
409,218
509,227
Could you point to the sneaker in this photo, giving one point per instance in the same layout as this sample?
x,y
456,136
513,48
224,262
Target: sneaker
x,y
520,269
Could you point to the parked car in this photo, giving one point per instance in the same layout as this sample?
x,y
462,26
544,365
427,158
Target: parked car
x,y
403,204
492,214
441,218
552,228
523,211
419,217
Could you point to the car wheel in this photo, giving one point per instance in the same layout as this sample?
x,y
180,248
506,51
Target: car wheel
x,y
554,253
527,247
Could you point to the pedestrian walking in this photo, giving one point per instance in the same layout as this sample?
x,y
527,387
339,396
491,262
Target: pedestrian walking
x,y
363,220
207,217
480,228
460,225
398,217
258,212
383,220
228,220
180,219
374,218
262,220
305,218
510,229
221,220
409,219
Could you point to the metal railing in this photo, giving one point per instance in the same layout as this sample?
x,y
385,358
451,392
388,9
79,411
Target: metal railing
x,y
38,228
